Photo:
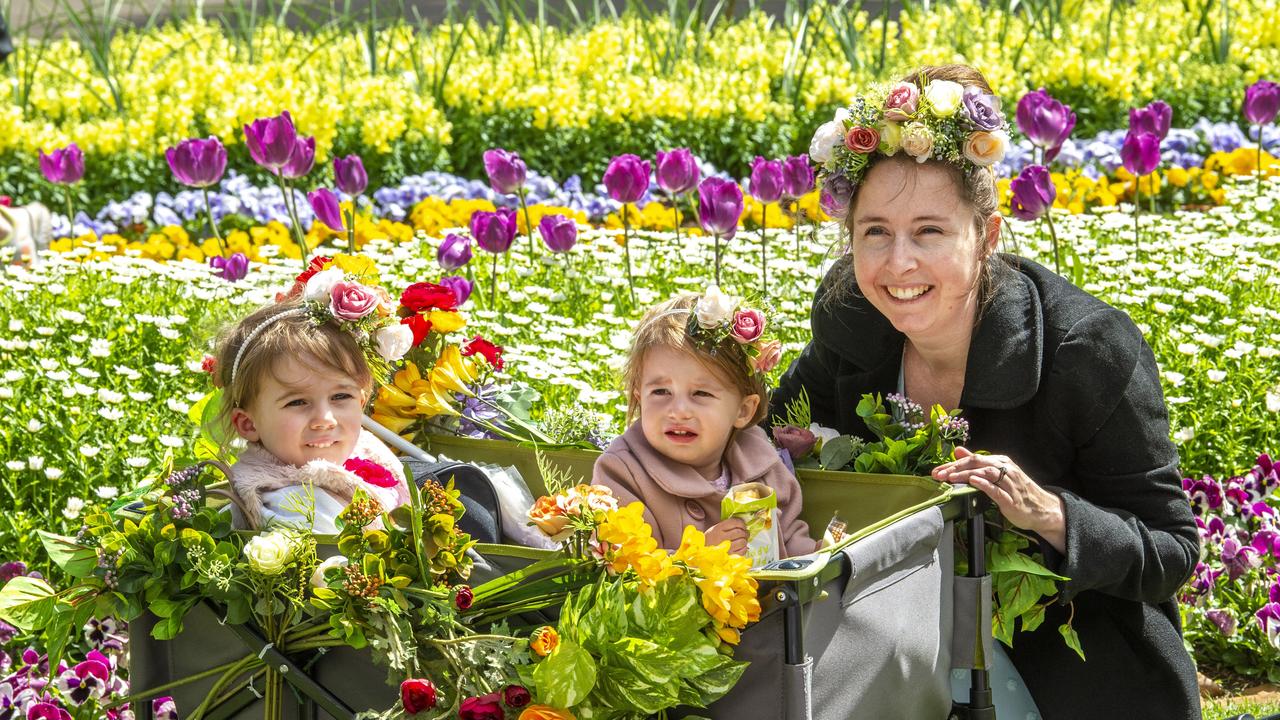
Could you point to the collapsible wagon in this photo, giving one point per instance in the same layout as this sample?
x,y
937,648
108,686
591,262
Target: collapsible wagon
x,y
871,627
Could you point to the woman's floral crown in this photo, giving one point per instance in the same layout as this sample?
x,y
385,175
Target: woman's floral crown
x,y
943,121
718,316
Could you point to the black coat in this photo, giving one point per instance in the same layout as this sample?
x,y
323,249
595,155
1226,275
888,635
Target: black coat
x,y
1067,387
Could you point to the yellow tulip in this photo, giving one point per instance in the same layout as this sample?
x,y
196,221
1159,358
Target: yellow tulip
x,y
445,322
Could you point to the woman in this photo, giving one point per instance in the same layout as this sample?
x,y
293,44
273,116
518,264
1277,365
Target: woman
x,y
1059,387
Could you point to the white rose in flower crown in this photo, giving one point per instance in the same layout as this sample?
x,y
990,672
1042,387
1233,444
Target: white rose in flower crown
x,y
269,554
714,308
825,140
321,285
891,138
986,148
917,141
944,96
393,341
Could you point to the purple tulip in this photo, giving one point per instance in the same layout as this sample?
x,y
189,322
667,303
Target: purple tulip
x,y
231,268
719,206
1033,193
64,166
494,231
271,140
197,163
302,159
1140,153
677,171
506,171
1261,102
1154,119
797,176
558,232
627,178
766,180
837,194
983,109
454,252
326,207
1046,122
349,175
460,286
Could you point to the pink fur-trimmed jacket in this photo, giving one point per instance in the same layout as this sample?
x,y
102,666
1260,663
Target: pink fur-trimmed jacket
x,y
271,489
675,495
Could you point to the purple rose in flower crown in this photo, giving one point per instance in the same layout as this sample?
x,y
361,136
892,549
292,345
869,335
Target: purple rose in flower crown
x,y
454,252
677,171
494,231
766,180
797,176
627,178
837,193
983,109
301,160
325,205
460,286
1154,118
197,163
507,172
1046,122
1140,153
558,232
902,102
271,140
1261,102
1033,193
64,166
349,175
747,325
351,301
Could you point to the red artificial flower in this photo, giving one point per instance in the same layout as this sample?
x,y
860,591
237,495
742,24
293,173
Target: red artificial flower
x,y
423,296
463,597
516,696
420,327
417,695
371,472
6,201
316,265
492,353
484,707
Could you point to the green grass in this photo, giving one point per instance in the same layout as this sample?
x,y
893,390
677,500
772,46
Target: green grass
x,y
1223,708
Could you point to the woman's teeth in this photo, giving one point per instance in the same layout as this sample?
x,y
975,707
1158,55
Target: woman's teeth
x,y
902,293
323,445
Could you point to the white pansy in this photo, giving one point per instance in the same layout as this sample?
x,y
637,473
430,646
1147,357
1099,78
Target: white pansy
x,y
320,286
393,341
714,308
269,554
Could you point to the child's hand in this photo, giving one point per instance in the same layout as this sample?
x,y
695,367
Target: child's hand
x,y
734,530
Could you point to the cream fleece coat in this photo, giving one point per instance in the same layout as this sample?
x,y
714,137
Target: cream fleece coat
x,y
270,488
675,495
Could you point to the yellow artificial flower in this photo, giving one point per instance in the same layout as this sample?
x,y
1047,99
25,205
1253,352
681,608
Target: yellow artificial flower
x,y
361,266
445,321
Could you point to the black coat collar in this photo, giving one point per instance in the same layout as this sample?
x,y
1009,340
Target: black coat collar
x,y
1005,356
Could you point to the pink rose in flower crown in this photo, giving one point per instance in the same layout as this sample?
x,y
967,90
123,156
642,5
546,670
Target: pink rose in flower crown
x,y
770,354
862,140
352,301
901,102
748,326
371,472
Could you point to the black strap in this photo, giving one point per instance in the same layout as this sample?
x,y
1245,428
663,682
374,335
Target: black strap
x,y
482,519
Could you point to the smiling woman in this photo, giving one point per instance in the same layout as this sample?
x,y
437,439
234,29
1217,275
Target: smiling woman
x,y
1059,387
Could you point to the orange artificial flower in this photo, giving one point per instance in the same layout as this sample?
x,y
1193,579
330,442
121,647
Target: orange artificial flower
x,y
545,712
544,640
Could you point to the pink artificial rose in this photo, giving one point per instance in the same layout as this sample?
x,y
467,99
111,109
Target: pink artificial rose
x,y
862,140
901,103
351,301
748,326
770,354
371,472
798,442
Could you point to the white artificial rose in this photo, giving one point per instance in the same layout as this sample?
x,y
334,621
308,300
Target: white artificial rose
x,y
986,148
714,308
269,554
317,577
825,140
917,141
393,341
320,286
944,96
824,434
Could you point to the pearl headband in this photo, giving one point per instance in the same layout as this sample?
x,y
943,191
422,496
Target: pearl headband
x,y
253,335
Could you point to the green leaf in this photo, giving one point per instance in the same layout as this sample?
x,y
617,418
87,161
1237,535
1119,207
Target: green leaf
x,y
1033,618
168,628
28,603
566,676
718,681
836,452
1073,639
1005,559
79,561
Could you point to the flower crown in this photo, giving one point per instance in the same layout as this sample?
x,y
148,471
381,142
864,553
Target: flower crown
x,y
943,121
718,316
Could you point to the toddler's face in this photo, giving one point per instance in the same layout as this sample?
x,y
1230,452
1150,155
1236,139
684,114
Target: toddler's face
x,y
687,412
303,412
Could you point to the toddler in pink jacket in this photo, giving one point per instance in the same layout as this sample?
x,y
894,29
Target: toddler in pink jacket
x,y
695,389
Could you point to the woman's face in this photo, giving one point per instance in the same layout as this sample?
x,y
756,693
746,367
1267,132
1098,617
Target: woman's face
x,y
916,254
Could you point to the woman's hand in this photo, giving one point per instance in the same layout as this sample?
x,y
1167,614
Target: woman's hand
x,y
1020,499
734,530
